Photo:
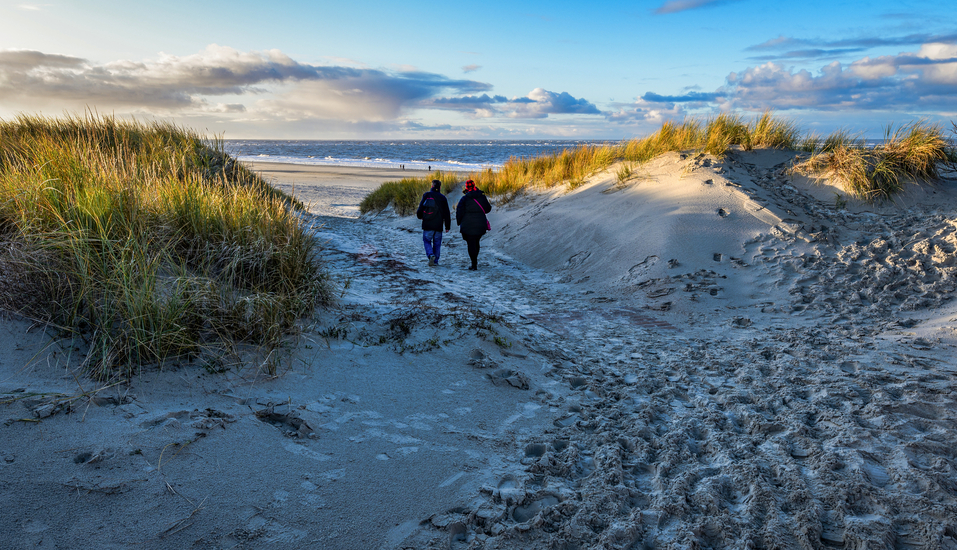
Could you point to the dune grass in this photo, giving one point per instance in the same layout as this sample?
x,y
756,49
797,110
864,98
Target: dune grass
x,y
572,167
148,242
911,153
404,195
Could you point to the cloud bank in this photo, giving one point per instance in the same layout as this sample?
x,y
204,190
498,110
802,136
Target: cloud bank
x,y
784,48
267,84
269,93
922,82
538,104
174,83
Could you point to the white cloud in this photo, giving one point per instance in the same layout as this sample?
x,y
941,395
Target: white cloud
x,y
539,103
644,111
940,73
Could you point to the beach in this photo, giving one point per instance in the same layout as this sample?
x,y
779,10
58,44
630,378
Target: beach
x,y
329,190
712,353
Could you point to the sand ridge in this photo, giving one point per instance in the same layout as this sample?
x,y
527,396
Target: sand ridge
x,y
776,376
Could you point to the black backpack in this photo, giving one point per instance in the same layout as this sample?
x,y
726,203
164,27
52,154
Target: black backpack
x,y
430,209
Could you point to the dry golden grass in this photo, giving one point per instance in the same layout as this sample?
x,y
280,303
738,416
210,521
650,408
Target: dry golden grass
x,y
911,153
404,195
572,167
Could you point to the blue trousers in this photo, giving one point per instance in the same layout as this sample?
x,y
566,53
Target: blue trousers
x,y
433,242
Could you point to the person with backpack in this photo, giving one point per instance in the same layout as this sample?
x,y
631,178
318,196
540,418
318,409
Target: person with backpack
x,y
434,212
470,217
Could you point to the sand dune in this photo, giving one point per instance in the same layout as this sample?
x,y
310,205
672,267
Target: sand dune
x,y
710,354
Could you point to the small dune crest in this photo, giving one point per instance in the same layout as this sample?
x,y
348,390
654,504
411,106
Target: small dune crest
x,y
678,213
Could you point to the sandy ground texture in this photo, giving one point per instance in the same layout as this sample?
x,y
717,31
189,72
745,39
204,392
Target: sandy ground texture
x,y
710,354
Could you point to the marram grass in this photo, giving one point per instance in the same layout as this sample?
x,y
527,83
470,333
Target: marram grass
x,y
404,195
911,153
573,166
147,241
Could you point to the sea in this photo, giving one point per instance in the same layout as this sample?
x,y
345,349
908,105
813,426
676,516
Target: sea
x,y
447,155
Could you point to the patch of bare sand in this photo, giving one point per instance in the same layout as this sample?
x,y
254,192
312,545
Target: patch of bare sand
x,y
786,382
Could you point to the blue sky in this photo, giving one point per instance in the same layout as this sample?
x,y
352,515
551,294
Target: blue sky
x,y
469,70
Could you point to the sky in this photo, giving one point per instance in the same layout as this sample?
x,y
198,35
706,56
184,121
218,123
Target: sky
x,y
495,69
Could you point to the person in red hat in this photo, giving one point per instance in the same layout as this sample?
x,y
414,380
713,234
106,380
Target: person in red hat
x,y
470,217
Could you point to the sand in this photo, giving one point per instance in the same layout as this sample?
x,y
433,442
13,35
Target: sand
x,y
330,190
710,354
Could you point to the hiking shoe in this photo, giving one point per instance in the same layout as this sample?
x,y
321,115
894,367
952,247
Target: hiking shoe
x,y
473,268
431,261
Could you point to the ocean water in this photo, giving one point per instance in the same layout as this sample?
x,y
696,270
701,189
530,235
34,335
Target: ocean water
x,y
457,155
454,155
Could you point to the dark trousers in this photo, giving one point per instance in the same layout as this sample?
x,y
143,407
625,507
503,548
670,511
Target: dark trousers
x,y
473,243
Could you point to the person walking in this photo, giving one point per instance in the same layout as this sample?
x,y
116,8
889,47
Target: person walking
x,y
434,212
470,217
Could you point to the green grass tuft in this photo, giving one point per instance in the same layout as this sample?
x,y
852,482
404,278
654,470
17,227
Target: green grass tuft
x,y
404,195
148,241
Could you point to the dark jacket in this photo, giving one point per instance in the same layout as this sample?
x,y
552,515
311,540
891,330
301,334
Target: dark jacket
x,y
470,213
443,205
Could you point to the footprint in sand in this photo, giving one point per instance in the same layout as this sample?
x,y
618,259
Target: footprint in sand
x,y
458,533
286,420
509,377
535,450
93,457
566,421
509,489
528,511
166,419
576,382
560,445
874,471
850,367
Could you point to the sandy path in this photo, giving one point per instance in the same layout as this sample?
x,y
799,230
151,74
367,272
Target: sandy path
x,y
367,433
393,410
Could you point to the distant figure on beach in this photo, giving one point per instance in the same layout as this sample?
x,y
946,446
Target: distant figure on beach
x,y
470,217
434,212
